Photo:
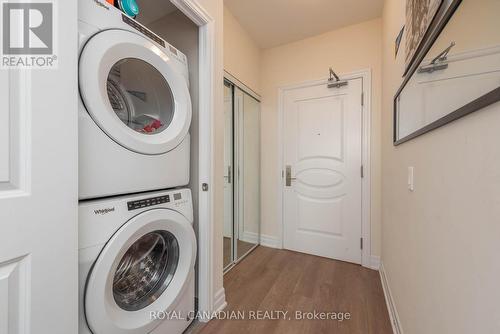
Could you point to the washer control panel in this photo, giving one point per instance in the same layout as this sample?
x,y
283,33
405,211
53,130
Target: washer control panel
x,y
143,203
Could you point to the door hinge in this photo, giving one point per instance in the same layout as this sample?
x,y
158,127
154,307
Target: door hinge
x,y
361,243
362,171
362,98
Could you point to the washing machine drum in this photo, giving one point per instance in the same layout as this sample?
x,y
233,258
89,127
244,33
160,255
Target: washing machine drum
x,y
144,268
134,92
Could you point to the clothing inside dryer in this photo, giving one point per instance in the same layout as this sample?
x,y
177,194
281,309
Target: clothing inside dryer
x,y
140,96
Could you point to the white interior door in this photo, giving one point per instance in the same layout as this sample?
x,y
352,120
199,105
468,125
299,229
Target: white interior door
x,y
322,158
38,190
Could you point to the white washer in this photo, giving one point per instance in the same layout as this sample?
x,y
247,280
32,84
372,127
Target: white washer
x,y
136,264
135,106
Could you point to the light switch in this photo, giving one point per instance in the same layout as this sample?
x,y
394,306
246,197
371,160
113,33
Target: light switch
x,y
411,186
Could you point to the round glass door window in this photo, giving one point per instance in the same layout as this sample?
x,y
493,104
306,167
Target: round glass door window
x,y
146,270
140,96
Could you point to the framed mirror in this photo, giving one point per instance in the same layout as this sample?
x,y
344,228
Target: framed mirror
x,y
457,71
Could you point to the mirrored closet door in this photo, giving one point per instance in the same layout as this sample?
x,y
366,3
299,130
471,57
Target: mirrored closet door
x,y
241,173
228,176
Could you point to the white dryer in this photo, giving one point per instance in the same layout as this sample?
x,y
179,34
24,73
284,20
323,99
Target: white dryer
x,y
135,106
136,264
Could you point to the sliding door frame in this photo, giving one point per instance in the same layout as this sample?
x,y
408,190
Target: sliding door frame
x,y
238,90
228,77
232,177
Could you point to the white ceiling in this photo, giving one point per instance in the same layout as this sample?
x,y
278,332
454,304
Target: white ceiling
x,y
275,22
152,10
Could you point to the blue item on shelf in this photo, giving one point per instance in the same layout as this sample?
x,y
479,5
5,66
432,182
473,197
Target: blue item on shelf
x,y
129,7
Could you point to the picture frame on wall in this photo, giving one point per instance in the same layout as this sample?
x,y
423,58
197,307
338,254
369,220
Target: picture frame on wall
x,y
420,15
454,74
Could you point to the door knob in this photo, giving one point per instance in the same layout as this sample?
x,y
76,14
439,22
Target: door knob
x,y
288,176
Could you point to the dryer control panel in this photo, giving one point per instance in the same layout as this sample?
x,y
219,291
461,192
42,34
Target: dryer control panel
x,y
140,28
148,33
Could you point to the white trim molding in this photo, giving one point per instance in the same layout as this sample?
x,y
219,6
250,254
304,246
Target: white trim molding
x,y
194,11
375,262
231,78
220,300
265,240
366,76
270,241
208,300
250,237
391,306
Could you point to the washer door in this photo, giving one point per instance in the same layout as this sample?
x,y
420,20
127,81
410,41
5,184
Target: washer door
x,y
144,268
133,92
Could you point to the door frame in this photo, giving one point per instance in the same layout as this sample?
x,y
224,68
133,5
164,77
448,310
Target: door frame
x,y
366,76
209,299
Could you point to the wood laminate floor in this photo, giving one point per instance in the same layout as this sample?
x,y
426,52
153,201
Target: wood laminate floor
x,y
280,280
243,248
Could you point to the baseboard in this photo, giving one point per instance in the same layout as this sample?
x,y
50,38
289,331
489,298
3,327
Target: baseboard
x,y
220,300
265,240
391,307
375,262
250,237
270,241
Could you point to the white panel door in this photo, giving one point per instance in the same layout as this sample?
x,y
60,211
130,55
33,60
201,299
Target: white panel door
x,y
322,157
38,190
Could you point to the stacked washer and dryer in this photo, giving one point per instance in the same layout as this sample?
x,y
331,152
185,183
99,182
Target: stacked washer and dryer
x,y
137,247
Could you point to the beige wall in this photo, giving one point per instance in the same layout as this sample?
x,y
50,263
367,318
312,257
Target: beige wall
x,y
241,53
441,242
349,49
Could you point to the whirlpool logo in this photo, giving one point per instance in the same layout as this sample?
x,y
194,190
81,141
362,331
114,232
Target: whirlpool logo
x,y
28,34
104,211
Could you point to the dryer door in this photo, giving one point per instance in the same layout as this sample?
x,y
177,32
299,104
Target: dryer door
x,y
133,91
145,267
